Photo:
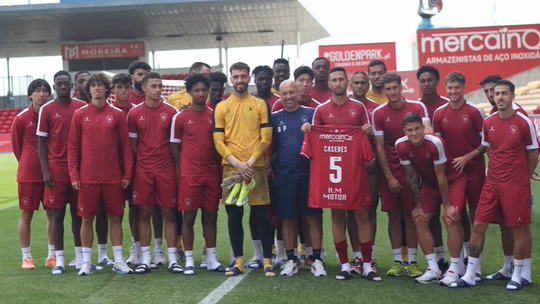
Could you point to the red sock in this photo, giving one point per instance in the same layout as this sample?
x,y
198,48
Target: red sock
x,y
341,249
365,249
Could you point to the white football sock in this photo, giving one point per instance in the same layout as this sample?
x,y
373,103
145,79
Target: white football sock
x,y
158,245
87,254
526,272
432,262
145,253
470,274
412,255
79,259
189,258
479,267
257,250
102,252
117,254
397,255
26,253
466,249
280,250
357,255
59,258
440,252
346,267
172,251
507,266
518,268
51,251
211,259
456,265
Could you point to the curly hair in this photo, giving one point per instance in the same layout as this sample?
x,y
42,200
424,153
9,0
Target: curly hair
x,y
428,69
98,77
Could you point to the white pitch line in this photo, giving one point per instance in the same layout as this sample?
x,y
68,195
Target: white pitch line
x,y
223,289
7,207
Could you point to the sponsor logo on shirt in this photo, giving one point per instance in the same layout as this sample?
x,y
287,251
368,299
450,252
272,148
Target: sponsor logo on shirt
x,y
445,120
163,116
513,129
352,112
189,122
465,118
141,118
57,115
491,129
109,118
330,116
388,119
86,119
31,123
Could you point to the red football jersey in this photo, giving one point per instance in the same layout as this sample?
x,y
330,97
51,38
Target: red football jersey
x,y
388,122
99,151
54,122
370,105
124,109
461,129
152,128
338,176
311,103
431,152
136,99
515,106
24,142
321,97
508,140
352,113
270,101
193,131
431,108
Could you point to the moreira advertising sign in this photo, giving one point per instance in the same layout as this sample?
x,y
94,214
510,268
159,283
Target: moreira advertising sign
x,y
103,50
480,51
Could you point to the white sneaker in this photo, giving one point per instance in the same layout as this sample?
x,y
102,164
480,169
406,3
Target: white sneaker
x,y
203,264
72,263
449,278
159,258
132,256
317,269
122,268
428,277
86,269
290,269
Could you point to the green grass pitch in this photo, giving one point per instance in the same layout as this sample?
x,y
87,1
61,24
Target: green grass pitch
x,y
38,286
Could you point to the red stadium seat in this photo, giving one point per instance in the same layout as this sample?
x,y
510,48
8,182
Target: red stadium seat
x,y
5,113
537,110
4,130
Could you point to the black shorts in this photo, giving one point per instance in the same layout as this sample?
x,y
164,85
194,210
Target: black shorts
x,y
292,197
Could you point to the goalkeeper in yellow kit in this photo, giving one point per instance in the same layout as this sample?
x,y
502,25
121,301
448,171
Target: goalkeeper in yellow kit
x,y
242,131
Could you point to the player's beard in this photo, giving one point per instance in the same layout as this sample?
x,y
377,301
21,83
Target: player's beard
x,y
240,91
138,85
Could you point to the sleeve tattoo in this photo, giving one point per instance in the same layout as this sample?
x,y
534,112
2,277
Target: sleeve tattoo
x,y
413,181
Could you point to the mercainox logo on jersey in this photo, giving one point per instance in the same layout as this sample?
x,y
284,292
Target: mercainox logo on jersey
x,y
355,55
481,40
336,137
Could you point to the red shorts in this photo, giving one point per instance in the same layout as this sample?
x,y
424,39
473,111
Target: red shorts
x,y
62,193
30,195
430,199
402,200
475,183
504,204
91,196
197,192
152,188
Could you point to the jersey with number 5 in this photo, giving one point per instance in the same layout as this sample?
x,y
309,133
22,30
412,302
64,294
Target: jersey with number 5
x,y
338,176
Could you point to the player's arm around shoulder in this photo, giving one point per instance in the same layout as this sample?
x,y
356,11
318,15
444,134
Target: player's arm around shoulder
x,y
265,122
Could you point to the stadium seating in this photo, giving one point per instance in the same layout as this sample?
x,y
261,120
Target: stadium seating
x,y
6,118
528,97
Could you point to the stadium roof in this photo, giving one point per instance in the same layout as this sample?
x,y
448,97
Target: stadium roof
x,y
39,30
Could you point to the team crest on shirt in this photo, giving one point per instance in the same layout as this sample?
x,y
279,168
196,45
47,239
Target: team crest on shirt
x,y
25,201
513,129
51,200
427,154
250,109
134,195
465,118
163,116
352,112
187,202
210,120
109,118
304,119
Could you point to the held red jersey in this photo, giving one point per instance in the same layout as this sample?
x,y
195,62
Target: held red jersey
x,y
508,140
352,113
461,129
338,176
310,103
431,108
388,122
193,131
54,122
431,152
98,148
152,128
24,142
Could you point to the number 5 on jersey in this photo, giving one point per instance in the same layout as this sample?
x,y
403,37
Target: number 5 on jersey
x,y
335,169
